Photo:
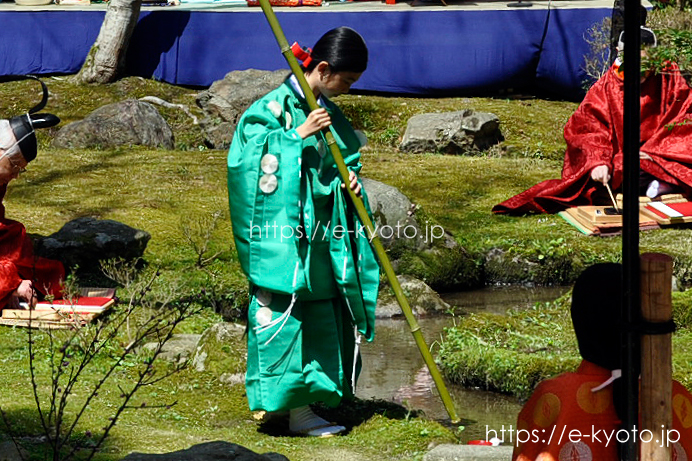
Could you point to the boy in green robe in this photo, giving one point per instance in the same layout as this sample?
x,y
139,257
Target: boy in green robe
x,y
312,272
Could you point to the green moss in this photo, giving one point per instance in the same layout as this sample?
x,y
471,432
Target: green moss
x,y
159,190
682,310
513,353
444,270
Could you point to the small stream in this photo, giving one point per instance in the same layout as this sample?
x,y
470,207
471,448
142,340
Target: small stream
x,y
393,368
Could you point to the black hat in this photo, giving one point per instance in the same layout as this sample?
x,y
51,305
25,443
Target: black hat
x,y
647,37
23,126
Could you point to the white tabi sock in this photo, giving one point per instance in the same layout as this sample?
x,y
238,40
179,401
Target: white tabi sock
x,y
303,421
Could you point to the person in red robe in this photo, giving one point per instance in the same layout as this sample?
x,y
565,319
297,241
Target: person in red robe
x,y
574,416
594,136
23,276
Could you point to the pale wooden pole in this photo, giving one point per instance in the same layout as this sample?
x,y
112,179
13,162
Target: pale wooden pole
x,y
657,369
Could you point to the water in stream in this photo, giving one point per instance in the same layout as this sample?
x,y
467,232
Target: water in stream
x,y
393,368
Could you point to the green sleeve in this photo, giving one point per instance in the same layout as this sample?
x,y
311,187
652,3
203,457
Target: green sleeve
x,y
266,219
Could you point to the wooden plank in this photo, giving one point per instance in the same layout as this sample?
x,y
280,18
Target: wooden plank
x,y
657,370
60,313
46,315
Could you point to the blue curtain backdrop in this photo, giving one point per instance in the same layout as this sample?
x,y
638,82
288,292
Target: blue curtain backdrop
x,y
414,51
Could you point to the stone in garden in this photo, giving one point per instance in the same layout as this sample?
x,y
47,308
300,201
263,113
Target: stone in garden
x,y
209,451
422,249
222,350
461,132
422,299
448,452
178,349
501,265
226,100
395,220
125,123
232,379
86,241
9,452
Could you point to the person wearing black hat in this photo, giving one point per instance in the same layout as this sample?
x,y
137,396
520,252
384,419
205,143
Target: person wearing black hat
x,y
588,401
23,276
594,136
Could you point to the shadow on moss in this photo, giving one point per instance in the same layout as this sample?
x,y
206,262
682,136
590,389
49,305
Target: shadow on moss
x,y
349,413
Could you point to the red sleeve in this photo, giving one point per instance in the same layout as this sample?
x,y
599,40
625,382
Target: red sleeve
x,y
589,132
682,419
9,280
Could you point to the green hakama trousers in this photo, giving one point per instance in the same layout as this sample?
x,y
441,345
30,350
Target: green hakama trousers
x,y
304,358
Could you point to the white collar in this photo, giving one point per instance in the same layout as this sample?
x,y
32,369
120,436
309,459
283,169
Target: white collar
x,y
614,374
296,86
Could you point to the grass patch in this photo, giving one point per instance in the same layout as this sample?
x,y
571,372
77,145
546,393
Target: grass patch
x,y
162,191
513,353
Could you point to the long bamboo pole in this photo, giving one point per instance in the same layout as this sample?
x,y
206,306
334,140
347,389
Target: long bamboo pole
x,y
362,214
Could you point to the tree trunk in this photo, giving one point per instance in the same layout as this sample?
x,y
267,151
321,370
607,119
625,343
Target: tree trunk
x,y
106,59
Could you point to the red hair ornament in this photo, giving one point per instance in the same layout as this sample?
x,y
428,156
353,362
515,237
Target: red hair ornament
x,y
302,53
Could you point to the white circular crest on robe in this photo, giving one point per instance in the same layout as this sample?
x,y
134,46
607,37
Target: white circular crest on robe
x,y
269,163
263,316
321,148
575,451
678,453
264,297
275,108
268,183
289,120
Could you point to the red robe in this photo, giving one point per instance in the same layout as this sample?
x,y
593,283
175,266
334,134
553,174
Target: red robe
x,y
565,406
17,261
594,137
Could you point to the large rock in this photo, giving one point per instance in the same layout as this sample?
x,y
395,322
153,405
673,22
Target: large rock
x,y
222,351
553,267
178,349
209,451
422,299
449,452
129,122
84,242
226,100
395,220
460,132
9,452
421,249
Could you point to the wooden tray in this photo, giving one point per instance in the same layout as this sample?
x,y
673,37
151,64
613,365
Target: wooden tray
x,y
62,313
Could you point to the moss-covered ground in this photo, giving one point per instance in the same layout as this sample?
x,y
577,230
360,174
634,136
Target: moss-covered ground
x,y
169,193
513,353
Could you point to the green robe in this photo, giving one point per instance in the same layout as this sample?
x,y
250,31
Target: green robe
x,y
312,272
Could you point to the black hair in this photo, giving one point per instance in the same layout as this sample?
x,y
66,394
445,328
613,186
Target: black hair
x,y
598,323
596,314
343,49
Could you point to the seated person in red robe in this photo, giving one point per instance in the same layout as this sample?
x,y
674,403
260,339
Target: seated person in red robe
x,y
590,399
594,136
23,276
